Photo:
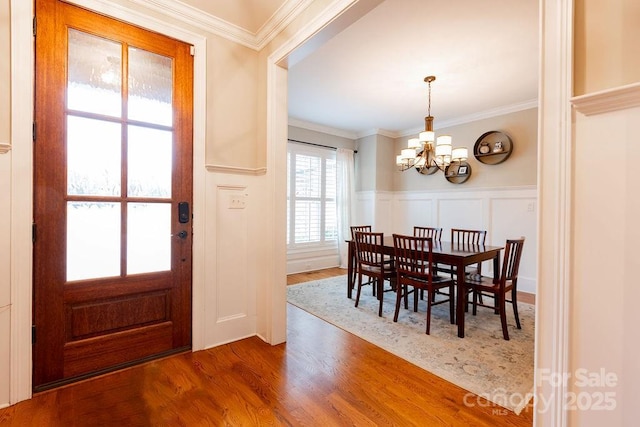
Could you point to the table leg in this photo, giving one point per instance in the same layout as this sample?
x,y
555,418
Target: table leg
x,y
461,299
350,267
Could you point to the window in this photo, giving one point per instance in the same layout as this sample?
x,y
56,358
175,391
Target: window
x,y
311,197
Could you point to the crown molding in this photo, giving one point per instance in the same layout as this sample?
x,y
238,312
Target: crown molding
x,y
608,100
4,148
286,13
321,128
383,132
486,114
281,18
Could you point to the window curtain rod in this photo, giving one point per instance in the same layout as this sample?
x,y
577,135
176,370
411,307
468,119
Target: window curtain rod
x,y
317,145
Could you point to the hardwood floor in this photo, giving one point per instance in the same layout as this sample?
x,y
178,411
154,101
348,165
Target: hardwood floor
x,y
322,376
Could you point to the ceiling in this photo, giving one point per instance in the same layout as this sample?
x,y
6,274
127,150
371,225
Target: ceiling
x,y
370,77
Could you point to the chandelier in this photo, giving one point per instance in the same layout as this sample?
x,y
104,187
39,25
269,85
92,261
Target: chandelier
x,y
426,153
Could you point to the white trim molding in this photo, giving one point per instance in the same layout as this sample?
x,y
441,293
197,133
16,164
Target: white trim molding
x,y
22,60
4,148
289,10
609,100
555,210
236,170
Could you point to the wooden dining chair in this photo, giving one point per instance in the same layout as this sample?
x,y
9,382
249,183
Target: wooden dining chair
x,y
414,269
434,232
499,288
465,237
374,264
354,228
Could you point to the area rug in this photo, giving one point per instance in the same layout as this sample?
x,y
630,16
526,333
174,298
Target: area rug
x,y
482,362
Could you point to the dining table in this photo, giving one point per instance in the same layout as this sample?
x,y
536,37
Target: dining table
x,y
458,255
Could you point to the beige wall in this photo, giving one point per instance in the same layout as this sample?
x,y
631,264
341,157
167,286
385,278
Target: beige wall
x,y
232,104
315,137
607,52
366,163
5,56
518,170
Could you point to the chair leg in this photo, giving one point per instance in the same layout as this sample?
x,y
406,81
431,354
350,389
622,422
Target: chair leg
x,y
514,302
401,289
406,297
429,295
359,288
503,315
452,310
415,300
475,301
380,295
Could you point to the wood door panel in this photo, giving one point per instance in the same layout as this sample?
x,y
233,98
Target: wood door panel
x,y
94,354
89,319
98,317
77,293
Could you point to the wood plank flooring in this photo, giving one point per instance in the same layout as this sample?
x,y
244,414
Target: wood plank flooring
x,y
322,376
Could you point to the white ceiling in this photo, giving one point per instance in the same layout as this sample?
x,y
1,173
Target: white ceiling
x,y
370,77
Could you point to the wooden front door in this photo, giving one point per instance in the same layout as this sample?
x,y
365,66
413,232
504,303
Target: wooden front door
x,y
112,194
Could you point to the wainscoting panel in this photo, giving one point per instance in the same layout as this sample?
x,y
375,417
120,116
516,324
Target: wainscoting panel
x,y
231,231
365,208
503,212
462,212
512,218
230,263
311,260
412,212
383,221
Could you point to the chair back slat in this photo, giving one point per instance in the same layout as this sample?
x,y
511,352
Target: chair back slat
x,y
354,228
434,232
511,259
413,256
468,237
369,248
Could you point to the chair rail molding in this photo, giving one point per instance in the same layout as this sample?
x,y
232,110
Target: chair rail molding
x,y
4,147
236,170
605,101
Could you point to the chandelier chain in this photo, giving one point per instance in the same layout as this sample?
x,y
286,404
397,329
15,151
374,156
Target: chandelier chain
x,y
429,108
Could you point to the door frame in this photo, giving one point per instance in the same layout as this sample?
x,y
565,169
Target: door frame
x,y
22,58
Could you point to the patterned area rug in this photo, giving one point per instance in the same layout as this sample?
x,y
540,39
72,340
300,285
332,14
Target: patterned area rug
x,y
482,362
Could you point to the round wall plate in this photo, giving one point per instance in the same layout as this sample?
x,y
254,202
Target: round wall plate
x,y
457,172
500,147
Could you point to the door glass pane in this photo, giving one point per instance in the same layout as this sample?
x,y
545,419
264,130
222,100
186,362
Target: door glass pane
x,y
93,240
148,237
95,74
150,87
93,157
150,162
